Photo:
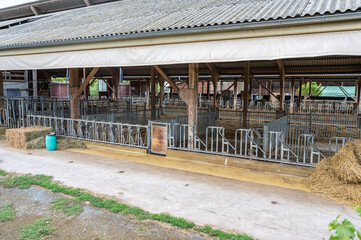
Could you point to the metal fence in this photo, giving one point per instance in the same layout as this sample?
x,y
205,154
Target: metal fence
x,y
132,135
329,125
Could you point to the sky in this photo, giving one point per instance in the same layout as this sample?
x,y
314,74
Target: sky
x,y
9,3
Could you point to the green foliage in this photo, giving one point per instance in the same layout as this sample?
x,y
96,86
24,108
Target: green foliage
x,y
40,229
7,213
222,235
94,89
3,173
67,205
315,89
70,207
174,221
26,181
344,230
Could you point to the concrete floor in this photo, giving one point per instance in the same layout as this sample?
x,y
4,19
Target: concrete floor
x,y
263,211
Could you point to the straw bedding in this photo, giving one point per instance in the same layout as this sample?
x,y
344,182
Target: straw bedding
x,y
339,177
18,137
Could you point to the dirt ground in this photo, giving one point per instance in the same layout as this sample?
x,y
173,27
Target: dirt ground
x,y
96,224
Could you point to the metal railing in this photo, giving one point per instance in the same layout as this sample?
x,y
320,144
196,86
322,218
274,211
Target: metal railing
x,y
132,135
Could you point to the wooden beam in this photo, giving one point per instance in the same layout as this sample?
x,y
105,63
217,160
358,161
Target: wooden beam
x,y
166,78
282,70
213,69
264,86
86,82
247,66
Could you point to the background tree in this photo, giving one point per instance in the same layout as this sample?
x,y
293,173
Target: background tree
x,y
315,89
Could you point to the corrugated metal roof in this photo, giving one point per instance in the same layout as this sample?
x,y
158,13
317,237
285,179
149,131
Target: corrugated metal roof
x,y
139,16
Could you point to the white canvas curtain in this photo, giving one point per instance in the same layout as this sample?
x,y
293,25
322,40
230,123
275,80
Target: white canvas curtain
x,y
266,48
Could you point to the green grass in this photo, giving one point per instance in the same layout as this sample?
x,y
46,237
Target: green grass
x,y
7,213
39,229
114,206
70,207
3,173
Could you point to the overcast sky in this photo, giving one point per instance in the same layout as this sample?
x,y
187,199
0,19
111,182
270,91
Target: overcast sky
x,y
8,3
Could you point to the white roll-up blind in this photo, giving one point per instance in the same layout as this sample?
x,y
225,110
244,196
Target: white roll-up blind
x,y
267,48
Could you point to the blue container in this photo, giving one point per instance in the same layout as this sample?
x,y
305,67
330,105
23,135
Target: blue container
x,y
50,142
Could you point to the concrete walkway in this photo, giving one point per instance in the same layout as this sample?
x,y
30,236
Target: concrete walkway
x,y
263,211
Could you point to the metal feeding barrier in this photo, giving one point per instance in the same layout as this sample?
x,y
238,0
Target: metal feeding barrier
x,y
132,135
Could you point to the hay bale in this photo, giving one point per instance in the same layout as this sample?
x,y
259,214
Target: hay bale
x,y
339,177
18,137
66,143
37,143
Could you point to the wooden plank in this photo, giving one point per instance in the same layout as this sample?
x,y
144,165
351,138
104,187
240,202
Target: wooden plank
x,y
86,82
159,139
166,78
247,66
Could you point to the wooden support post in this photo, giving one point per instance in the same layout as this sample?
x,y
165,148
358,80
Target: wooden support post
x,y
2,106
148,93
35,83
304,92
282,70
300,91
208,91
292,94
309,88
74,82
192,103
87,89
202,88
152,94
214,77
235,93
245,93
359,96
139,88
161,93
259,91
215,89
115,80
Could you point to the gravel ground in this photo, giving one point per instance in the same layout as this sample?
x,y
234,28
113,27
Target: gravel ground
x,y
96,224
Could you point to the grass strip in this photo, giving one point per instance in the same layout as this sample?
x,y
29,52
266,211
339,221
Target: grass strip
x,y
114,206
3,173
7,213
39,229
